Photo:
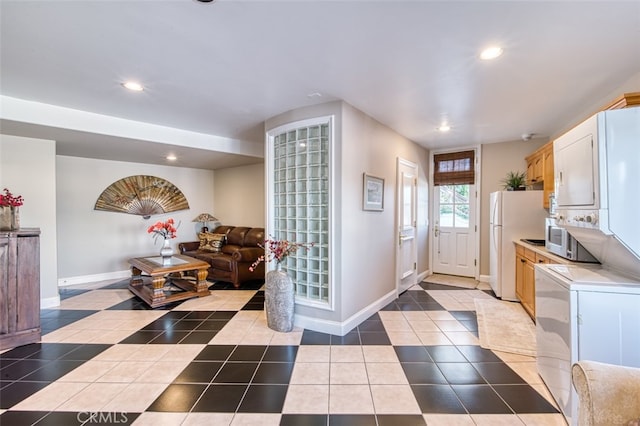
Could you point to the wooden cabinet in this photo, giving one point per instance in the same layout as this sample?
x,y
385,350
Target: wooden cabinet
x,y
624,101
19,287
526,278
540,170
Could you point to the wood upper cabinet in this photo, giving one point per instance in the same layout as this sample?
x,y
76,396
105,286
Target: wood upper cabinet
x,y
540,170
624,101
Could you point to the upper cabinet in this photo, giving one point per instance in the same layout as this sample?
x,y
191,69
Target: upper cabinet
x,y
625,100
540,170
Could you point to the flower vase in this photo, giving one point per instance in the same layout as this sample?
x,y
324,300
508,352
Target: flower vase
x,y
166,252
279,300
9,218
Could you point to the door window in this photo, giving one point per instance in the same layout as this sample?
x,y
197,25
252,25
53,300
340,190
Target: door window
x,y
454,206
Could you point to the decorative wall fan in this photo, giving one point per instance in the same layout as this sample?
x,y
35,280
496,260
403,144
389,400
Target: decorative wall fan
x,y
142,195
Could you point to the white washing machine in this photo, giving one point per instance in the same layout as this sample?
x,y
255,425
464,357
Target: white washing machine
x,y
583,312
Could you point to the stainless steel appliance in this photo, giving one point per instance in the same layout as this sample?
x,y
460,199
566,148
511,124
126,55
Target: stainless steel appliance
x,y
512,215
560,242
583,312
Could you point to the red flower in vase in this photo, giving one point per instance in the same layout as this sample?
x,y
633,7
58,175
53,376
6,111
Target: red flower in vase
x,y
10,200
166,230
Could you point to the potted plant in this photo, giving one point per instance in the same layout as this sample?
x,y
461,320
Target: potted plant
x,y
515,181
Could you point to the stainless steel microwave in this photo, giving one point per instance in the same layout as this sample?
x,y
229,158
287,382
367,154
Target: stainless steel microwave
x,y
560,242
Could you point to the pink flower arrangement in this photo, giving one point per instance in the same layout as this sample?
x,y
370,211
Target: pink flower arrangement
x,y
9,200
166,230
278,250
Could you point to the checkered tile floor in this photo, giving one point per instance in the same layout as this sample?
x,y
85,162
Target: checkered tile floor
x,y
106,358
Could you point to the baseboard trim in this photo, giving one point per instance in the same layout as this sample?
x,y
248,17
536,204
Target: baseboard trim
x,y
342,328
83,279
484,278
423,275
50,302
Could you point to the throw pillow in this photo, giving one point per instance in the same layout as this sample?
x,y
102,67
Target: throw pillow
x,y
211,242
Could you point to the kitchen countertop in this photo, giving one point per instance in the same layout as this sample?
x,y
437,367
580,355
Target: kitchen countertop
x,y
543,251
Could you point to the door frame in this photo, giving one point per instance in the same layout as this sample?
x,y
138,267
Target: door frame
x,y
478,195
404,162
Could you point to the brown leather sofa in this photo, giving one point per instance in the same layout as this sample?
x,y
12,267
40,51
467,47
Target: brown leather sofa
x,y
232,262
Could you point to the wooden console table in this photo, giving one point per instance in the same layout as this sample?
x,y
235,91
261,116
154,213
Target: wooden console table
x,y
184,272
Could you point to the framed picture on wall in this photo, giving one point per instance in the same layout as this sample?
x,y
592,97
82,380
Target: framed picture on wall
x,y
373,193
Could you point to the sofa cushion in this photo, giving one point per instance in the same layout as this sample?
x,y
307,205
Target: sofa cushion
x,y
222,262
254,238
211,242
236,235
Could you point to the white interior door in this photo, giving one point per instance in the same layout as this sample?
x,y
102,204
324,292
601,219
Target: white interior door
x,y
407,254
454,237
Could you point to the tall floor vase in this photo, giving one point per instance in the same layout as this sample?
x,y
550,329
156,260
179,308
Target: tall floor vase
x,y
279,300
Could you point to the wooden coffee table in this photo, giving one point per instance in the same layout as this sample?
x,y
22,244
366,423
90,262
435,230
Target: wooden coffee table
x,y
186,273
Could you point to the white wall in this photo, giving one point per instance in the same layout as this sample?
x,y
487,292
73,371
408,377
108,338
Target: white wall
x,y
92,242
365,242
239,196
28,168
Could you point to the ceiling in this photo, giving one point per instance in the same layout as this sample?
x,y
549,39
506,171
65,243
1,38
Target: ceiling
x,y
221,69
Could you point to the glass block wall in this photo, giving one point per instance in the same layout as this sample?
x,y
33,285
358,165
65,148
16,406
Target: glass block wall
x,y
301,205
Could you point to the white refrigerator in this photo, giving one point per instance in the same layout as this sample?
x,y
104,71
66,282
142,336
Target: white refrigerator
x,y
513,215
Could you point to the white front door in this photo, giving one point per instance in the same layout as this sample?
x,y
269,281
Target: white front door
x,y
406,211
454,236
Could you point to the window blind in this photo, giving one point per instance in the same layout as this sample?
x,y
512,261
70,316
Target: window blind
x,y
454,168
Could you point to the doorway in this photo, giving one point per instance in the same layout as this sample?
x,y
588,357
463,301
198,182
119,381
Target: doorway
x,y
406,219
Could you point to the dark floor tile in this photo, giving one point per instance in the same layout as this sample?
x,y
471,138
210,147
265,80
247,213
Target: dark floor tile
x,y
280,354
464,315
253,307
51,351
478,354
310,337
198,337
445,354
432,286
304,420
352,420
498,373
412,306
460,373
118,285
222,315
263,399
524,399
169,337
212,325
21,418
391,307
374,338
431,306
66,293
17,392
423,373
236,372
66,313
85,352
22,368
53,371
481,399
5,383
198,315
175,315
178,398
47,326
370,325
20,352
215,353
400,420
161,324
220,398
470,325
199,372
248,353
412,354
437,399
134,304
351,338
141,337
273,373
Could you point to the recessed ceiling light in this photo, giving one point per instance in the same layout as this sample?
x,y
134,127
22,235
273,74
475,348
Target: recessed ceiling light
x,y
444,128
171,157
491,53
132,85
